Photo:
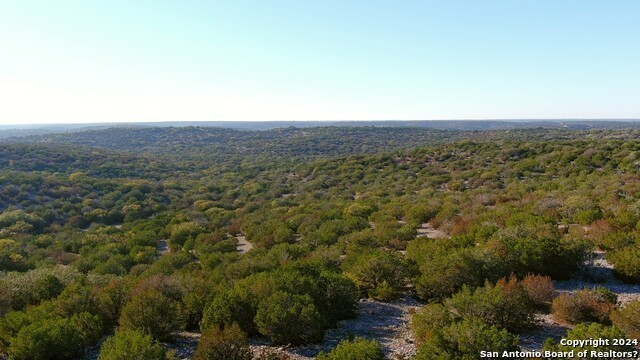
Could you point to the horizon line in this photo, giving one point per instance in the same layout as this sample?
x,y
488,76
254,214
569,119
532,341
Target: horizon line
x,y
320,120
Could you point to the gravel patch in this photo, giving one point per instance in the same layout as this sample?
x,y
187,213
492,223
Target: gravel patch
x,y
546,327
243,244
426,230
185,345
598,271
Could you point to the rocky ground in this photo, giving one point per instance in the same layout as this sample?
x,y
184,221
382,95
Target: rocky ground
x,y
545,328
429,231
185,345
243,244
599,272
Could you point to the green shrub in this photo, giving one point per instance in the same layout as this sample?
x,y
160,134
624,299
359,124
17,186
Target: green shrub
x,y
110,300
464,340
362,209
131,345
505,305
228,343
9,218
377,273
197,293
289,319
615,241
116,265
444,275
356,349
586,217
333,295
423,250
47,288
152,313
10,325
626,263
428,320
525,251
232,306
605,295
180,233
590,331
627,319
340,297
12,256
89,326
78,297
51,339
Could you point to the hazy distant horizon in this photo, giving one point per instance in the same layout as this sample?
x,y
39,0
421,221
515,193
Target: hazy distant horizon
x,y
269,124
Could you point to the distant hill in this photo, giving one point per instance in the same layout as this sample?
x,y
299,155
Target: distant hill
x,y
573,124
215,144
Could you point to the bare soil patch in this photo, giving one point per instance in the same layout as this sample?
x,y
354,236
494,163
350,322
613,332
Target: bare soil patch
x,y
243,244
429,231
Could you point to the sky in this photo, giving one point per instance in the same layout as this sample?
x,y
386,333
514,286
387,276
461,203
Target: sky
x,y
87,61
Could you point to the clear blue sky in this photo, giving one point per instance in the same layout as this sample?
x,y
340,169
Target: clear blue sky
x,y
134,60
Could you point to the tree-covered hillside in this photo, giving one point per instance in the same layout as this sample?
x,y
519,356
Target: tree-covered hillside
x,y
133,235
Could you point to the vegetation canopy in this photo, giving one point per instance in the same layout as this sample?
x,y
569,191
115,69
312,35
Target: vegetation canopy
x,y
135,235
